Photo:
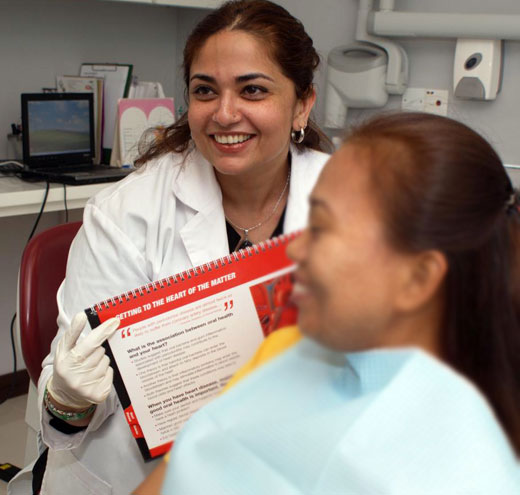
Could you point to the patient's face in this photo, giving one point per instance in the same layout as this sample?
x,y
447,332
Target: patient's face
x,y
348,275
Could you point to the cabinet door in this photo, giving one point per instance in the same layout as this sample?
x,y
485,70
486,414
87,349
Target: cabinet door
x,y
203,4
133,1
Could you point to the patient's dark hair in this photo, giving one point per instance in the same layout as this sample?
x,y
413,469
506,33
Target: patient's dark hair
x,y
290,47
442,186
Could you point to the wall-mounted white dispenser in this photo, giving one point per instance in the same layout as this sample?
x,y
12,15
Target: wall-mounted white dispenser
x,y
355,78
477,69
477,33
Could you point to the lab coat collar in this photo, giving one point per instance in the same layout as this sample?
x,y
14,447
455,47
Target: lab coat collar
x,y
204,235
196,185
299,189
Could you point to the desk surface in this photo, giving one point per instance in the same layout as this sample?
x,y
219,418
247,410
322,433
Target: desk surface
x,y
18,197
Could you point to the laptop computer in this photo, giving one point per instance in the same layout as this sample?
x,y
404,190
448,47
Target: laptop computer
x,y
58,140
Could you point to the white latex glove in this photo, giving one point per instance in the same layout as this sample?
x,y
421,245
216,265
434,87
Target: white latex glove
x,y
82,375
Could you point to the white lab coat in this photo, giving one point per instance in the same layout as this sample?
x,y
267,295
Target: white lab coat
x,y
158,221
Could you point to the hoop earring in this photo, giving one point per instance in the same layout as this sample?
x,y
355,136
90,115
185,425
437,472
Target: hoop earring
x,y
298,136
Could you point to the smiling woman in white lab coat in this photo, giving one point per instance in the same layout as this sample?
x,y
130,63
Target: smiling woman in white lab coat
x,y
236,170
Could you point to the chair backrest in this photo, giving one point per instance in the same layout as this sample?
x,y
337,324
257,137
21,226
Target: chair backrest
x,y
42,269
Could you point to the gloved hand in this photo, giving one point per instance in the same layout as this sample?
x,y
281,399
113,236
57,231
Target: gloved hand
x,y
82,375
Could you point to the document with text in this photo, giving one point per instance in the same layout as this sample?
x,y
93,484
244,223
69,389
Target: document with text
x,y
183,337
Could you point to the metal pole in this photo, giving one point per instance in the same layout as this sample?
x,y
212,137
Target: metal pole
x,y
438,25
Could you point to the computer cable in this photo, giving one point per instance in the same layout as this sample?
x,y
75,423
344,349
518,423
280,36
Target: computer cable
x,y
47,184
65,203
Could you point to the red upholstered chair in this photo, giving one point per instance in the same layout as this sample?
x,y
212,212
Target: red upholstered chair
x,y
42,269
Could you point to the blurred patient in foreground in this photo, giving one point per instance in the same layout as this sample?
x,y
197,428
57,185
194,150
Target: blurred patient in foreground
x,y
407,378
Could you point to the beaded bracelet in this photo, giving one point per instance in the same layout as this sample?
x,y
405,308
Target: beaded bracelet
x,y
66,415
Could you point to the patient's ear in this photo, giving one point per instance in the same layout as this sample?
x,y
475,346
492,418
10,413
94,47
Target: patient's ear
x,y
423,280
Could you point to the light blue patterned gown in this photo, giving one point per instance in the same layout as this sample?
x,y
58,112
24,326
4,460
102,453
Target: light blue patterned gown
x,y
315,422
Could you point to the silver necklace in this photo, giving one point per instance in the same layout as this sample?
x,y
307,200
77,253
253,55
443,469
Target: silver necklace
x,y
246,242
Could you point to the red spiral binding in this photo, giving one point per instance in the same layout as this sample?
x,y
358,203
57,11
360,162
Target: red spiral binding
x,y
233,257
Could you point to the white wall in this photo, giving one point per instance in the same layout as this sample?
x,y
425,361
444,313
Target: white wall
x,y
42,38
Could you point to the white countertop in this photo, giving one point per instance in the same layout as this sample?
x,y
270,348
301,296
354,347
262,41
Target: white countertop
x,y
18,197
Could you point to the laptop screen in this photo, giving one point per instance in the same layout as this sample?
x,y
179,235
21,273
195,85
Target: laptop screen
x,y
58,129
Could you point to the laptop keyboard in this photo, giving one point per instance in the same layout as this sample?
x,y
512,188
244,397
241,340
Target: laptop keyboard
x,y
66,169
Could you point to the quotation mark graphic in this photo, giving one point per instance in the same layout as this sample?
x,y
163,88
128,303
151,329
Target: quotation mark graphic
x,y
228,305
125,333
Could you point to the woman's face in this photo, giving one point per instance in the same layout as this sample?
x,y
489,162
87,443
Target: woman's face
x,y
348,275
241,107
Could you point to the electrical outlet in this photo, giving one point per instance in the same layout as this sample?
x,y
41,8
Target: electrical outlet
x,y
426,100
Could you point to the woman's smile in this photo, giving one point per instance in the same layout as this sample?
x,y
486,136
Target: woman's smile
x,y
231,138
232,143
